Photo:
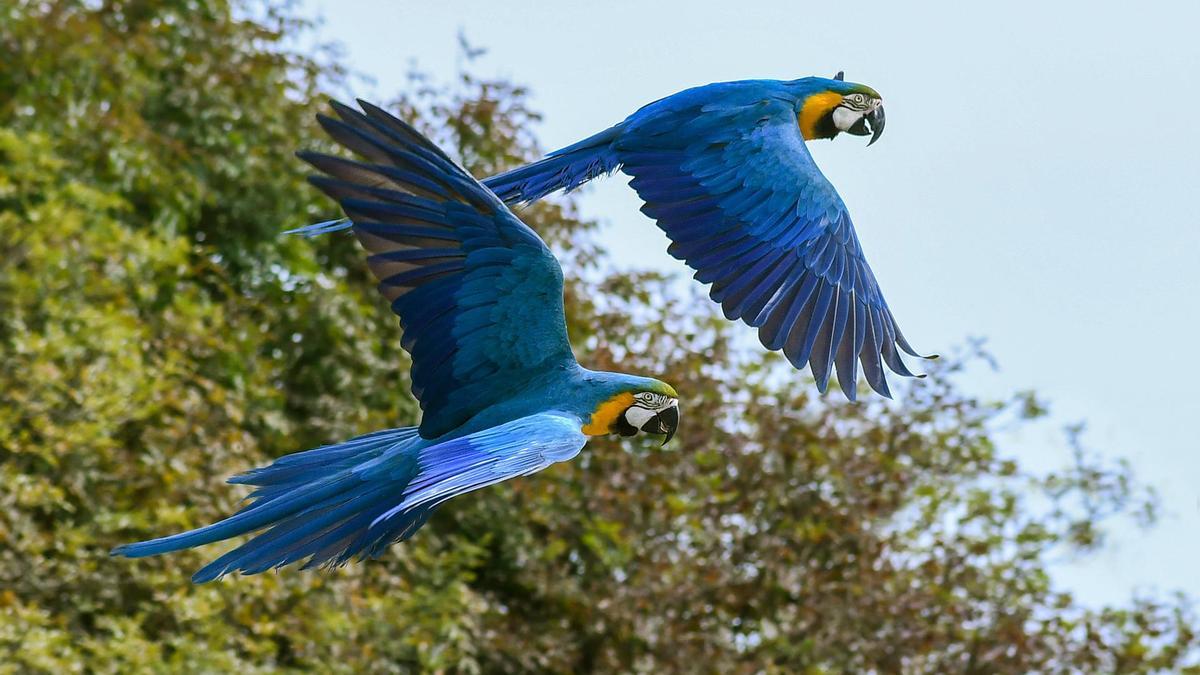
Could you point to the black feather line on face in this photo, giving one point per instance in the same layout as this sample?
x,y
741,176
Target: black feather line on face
x,y
623,427
825,128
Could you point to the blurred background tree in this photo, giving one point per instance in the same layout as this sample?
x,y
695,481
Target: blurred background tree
x,y
157,335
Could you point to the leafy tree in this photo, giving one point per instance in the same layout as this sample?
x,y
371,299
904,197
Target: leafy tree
x,y
157,335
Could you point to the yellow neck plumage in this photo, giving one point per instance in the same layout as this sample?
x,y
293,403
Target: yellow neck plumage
x,y
606,414
816,107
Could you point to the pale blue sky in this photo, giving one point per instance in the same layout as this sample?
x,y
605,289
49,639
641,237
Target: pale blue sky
x,y
1035,186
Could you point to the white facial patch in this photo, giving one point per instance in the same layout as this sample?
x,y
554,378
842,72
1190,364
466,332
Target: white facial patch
x,y
637,416
646,405
845,118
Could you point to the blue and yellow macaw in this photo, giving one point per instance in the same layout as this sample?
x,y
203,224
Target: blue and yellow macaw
x,y
724,171
480,300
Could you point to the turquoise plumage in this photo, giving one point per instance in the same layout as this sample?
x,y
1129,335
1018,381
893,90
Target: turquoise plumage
x,y
724,171
480,300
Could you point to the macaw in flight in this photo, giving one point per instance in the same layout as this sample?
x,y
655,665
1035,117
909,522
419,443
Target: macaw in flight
x,y
724,171
480,300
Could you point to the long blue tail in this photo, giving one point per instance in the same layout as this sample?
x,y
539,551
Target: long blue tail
x,y
564,169
320,504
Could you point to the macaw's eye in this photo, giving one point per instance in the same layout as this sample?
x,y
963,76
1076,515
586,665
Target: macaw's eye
x,y
650,399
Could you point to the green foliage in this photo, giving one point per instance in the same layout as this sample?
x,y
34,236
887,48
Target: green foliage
x,y
158,335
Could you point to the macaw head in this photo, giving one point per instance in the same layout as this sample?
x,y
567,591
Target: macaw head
x,y
644,405
832,106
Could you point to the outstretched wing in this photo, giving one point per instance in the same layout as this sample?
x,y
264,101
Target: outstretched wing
x,y
738,193
479,296
518,448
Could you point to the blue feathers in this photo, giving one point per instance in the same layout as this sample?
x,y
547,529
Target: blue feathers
x,y
564,170
724,171
296,497
479,297
454,262
331,505
326,227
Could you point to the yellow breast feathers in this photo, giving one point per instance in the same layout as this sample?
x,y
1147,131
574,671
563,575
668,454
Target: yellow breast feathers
x,y
606,414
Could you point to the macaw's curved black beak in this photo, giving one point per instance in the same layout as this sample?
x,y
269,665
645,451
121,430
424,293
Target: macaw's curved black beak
x,y
870,124
665,422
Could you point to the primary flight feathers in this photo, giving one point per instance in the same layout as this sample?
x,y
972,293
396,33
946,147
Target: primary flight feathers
x,y
724,171
479,297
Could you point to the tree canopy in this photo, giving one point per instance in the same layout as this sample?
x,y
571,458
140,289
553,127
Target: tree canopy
x,y
158,334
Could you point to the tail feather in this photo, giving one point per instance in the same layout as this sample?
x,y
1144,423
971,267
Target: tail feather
x,y
302,498
317,229
301,468
300,536
564,169
328,506
251,518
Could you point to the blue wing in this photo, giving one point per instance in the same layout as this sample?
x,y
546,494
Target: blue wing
x,y
479,295
734,187
352,500
518,448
